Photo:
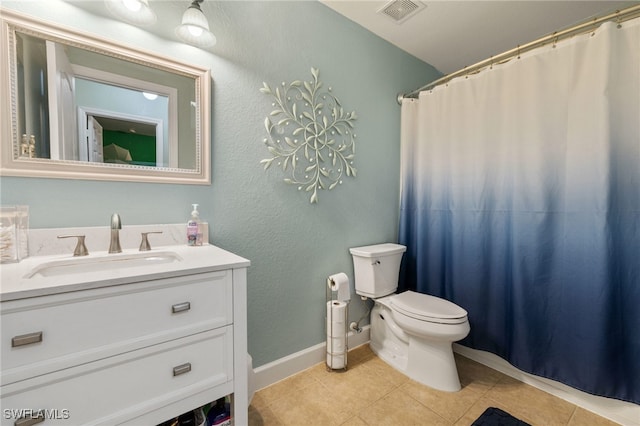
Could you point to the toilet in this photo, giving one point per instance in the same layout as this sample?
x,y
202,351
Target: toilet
x,y
412,332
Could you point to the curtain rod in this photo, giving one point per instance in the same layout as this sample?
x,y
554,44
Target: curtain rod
x,y
619,16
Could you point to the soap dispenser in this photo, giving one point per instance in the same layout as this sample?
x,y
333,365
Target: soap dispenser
x,y
194,228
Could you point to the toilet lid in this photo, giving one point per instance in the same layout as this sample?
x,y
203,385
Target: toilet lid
x,y
428,308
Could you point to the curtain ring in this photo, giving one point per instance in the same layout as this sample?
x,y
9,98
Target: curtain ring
x,y
518,52
619,25
491,66
555,40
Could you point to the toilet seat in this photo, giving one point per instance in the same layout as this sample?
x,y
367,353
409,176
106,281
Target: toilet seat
x,y
428,308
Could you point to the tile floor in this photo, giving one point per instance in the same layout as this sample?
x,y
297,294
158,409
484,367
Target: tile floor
x,y
371,392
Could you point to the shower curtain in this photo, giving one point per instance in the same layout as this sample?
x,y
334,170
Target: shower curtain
x,y
520,202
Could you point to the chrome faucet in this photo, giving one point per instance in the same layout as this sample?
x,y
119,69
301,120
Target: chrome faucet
x,y
116,226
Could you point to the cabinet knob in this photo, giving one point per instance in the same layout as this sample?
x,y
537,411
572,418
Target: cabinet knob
x,y
26,339
181,369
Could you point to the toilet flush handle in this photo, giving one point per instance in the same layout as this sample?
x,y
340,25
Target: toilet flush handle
x,y
375,262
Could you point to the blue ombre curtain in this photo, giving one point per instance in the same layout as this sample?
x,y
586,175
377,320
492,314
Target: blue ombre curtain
x,y
521,203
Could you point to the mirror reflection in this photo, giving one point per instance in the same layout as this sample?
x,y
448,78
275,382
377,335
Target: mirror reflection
x,y
83,107
71,106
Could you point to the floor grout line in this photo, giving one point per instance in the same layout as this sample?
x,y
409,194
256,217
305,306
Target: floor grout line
x,y
429,408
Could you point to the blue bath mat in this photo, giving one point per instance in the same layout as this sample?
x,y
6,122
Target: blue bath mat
x,y
496,417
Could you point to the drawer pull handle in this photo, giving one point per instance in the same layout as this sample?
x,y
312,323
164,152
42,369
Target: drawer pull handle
x,y
180,307
26,339
30,420
181,369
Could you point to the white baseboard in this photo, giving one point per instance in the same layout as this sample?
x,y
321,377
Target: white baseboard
x,y
289,365
625,413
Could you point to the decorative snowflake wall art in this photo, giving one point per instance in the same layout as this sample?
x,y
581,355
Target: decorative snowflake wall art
x,y
312,139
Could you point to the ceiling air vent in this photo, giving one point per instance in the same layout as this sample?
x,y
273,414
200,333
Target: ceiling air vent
x,y
401,10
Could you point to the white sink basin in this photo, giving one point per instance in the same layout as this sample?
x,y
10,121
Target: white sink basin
x,y
84,265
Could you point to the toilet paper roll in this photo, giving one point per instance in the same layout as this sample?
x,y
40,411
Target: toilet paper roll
x,y
336,329
336,334
336,318
336,361
336,345
340,283
336,352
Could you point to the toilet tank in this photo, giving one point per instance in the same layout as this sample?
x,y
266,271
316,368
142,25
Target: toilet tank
x,y
376,268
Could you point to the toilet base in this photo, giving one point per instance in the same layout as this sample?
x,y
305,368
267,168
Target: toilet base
x,y
388,342
427,361
432,364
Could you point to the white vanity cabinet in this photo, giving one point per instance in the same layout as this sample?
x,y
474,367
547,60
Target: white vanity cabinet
x,y
132,348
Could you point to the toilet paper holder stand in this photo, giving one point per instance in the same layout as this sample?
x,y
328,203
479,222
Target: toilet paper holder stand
x,y
337,328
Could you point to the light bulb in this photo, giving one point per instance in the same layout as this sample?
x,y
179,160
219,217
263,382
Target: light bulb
x,y
195,31
132,5
135,12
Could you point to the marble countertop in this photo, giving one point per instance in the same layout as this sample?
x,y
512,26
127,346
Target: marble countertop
x,y
16,281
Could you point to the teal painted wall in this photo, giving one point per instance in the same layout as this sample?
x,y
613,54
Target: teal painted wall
x,y
293,245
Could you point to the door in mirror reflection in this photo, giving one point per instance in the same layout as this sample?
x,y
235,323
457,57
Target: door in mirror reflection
x,y
130,119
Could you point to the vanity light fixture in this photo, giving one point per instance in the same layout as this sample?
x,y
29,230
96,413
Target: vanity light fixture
x,y
195,27
135,12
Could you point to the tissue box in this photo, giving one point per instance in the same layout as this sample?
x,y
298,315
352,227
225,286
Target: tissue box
x,y
14,233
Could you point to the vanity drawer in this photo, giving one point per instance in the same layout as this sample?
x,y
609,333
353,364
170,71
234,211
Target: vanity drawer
x,y
45,334
113,390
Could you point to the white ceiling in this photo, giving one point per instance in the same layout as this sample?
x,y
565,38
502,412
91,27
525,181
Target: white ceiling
x,y
453,34
448,34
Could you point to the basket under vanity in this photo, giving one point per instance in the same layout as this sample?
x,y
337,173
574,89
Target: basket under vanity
x,y
124,345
